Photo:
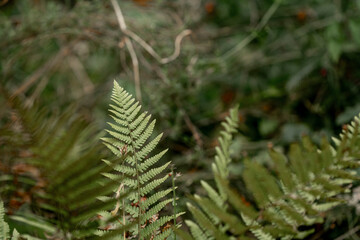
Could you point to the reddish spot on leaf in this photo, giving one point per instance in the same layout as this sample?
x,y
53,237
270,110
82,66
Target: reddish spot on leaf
x,y
266,107
15,203
301,16
323,72
228,96
243,199
142,199
166,227
210,7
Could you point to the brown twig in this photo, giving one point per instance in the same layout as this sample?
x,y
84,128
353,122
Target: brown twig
x,y
123,62
130,34
193,129
39,88
349,233
264,20
50,64
151,51
144,44
135,63
80,73
130,48
117,196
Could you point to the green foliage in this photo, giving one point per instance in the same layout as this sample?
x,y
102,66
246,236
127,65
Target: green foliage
x,y
297,74
130,137
4,227
304,185
212,218
55,174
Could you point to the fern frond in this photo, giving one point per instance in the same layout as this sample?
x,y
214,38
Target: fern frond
x,y
212,218
304,185
4,227
15,235
64,149
232,221
130,137
195,230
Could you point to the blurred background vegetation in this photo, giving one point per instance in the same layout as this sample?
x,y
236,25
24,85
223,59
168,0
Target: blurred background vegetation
x,y
291,66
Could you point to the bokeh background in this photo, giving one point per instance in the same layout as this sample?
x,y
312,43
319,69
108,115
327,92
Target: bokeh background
x,y
292,67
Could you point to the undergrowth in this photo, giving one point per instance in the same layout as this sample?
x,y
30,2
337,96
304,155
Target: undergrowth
x,y
75,201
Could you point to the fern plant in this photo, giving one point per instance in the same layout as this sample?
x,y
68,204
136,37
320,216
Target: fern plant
x,y
130,137
59,171
286,203
212,210
4,227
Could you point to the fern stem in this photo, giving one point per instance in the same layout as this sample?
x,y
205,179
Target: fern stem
x,y
123,214
174,197
138,183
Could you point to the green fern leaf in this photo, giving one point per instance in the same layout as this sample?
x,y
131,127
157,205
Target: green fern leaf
x,y
196,230
15,235
212,218
130,137
234,222
4,227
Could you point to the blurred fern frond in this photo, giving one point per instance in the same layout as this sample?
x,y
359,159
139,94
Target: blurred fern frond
x,y
287,202
51,172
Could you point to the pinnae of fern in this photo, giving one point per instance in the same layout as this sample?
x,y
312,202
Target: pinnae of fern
x,y
174,194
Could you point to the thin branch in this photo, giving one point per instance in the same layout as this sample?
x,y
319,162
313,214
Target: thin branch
x,y
81,74
153,53
193,129
154,67
130,48
144,44
130,34
240,45
39,88
264,20
349,233
135,63
51,63
117,196
123,62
